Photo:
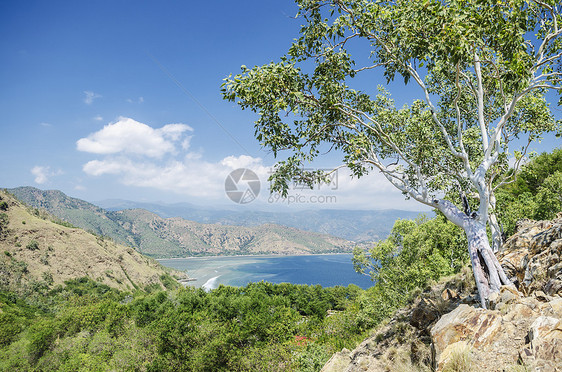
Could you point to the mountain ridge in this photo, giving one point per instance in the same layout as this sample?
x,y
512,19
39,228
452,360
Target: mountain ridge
x,y
176,237
353,225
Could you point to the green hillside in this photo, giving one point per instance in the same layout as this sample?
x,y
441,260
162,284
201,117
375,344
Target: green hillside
x,y
39,251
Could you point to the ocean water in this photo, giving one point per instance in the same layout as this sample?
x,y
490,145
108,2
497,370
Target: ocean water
x,y
327,270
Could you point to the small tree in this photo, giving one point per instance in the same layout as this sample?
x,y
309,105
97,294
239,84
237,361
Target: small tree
x,y
481,67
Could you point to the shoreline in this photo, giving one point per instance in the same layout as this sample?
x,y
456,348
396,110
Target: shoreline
x,y
255,255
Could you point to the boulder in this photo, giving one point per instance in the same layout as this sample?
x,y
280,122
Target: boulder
x,y
526,331
338,362
424,314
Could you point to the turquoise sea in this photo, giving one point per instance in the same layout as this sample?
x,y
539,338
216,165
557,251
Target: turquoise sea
x,y
327,270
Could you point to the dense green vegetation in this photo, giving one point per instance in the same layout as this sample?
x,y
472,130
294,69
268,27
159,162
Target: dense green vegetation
x,y
416,253
88,326
536,193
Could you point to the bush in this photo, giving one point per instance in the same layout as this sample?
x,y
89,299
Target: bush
x,y
32,245
3,224
535,194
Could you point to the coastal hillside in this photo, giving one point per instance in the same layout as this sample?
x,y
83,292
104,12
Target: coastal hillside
x,y
184,238
160,237
444,329
40,249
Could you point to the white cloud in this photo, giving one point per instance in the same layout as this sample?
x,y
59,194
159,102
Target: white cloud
x,y
46,125
159,158
141,156
90,97
242,161
42,173
98,118
191,176
128,136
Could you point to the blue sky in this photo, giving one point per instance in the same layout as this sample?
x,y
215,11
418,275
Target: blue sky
x,y
121,99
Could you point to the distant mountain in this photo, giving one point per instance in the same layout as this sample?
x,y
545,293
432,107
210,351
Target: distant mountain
x,y
358,226
176,237
38,248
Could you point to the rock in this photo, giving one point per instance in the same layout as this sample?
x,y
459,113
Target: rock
x,y
493,300
546,343
531,257
555,270
542,297
424,313
508,294
526,330
553,286
505,296
338,362
480,329
449,295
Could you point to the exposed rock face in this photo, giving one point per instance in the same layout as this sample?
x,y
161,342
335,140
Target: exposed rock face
x,y
531,257
526,331
403,344
522,327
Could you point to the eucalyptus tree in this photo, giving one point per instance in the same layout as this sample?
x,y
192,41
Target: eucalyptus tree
x,y
482,69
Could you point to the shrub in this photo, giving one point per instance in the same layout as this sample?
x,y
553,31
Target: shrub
x,y
3,223
48,278
32,245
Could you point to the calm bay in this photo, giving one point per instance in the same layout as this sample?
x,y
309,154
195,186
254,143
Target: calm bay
x,y
327,270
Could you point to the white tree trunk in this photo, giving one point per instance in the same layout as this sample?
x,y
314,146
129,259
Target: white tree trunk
x,y
488,273
497,238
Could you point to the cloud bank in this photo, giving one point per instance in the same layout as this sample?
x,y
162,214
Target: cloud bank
x,y
160,158
128,136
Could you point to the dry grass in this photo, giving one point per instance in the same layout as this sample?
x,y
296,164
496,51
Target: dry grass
x,y
49,250
460,360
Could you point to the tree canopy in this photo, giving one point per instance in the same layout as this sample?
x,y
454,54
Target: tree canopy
x,y
482,69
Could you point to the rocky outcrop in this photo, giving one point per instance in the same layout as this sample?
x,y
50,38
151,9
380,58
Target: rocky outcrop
x,y
444,329
526,331
523,326
531,257
403,343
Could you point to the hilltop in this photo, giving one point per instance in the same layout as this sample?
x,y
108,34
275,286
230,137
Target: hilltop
x,y
444,329
38,248
161,237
